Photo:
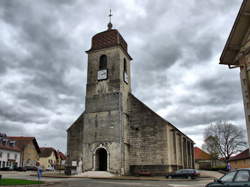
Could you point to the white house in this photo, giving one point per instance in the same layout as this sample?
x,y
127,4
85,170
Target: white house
x,y
10,154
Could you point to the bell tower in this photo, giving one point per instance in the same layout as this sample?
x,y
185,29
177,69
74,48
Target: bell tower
x,y
108,64
107,89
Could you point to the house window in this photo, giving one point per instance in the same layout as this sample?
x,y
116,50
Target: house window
x,y
8,155
15,156
1,154
0,163
103,62
124,65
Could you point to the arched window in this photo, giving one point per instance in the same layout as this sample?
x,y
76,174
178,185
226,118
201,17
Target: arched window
x,y
124,65
103,62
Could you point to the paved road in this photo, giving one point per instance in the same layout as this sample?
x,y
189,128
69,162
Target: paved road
x,y
126,183
85,182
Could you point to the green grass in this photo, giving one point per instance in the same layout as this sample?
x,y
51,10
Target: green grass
x,y
4,182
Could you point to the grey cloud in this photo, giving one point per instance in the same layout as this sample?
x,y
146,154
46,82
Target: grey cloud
x,y
12,129
54,34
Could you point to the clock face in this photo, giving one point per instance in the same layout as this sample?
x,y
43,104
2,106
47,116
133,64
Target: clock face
x,y
102,74
125,76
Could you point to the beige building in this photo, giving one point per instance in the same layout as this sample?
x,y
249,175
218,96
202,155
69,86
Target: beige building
x,y
236,54
48,158
29,149
203,160
117,132
242,160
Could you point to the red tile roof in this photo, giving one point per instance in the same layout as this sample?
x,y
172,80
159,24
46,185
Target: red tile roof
x,y
62,156
22,141
27,138
10,148
109,38
47,151
243,155
200,154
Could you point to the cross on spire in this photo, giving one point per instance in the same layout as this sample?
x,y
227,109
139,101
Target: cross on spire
x,y
110,24
110,15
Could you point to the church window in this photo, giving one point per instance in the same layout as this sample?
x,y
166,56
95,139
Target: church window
x,y
124,65
103,62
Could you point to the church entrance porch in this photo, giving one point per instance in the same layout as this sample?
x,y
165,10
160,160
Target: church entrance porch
x,y
101,160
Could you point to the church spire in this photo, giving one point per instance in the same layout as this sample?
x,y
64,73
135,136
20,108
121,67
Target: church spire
x,y
110,24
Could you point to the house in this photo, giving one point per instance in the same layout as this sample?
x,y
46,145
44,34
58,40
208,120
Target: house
x,y
60,160
10,154
29,150
202,159
48,158
242,160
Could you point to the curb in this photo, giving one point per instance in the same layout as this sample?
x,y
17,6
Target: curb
x,y
127,178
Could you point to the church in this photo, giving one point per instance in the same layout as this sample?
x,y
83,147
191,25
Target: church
x,y
117,132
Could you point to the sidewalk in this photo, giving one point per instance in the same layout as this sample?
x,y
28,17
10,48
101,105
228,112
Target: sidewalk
x,y
211,174
204,175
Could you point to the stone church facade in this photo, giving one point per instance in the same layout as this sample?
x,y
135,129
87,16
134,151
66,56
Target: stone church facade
x,y
117,132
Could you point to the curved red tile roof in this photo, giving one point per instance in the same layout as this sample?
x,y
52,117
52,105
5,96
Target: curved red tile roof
x,y
108,38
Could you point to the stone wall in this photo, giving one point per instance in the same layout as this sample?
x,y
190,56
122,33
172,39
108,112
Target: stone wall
x,y
155,144
147,138
74,139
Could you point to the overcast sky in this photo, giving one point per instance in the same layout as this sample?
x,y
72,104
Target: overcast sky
x,y
175,46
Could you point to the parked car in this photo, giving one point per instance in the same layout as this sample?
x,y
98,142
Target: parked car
x,y
5,169
20,169
240,177
31,168
184,173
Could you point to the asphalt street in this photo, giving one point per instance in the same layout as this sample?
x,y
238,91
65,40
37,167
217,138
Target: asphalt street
x,y
87,182
127,183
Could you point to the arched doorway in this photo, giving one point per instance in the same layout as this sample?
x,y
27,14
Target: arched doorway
x,y
101,159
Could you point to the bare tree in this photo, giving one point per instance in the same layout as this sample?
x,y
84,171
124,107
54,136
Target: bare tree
x,y
223,139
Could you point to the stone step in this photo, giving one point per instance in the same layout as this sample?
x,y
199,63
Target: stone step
x,y
96,174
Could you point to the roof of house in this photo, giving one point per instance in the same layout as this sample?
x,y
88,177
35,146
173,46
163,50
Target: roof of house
x,y
61,155
10,148
47,151
22,141
243,155
200,154
237,35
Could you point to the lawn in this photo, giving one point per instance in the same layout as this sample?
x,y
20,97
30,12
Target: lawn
x,y
4,182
